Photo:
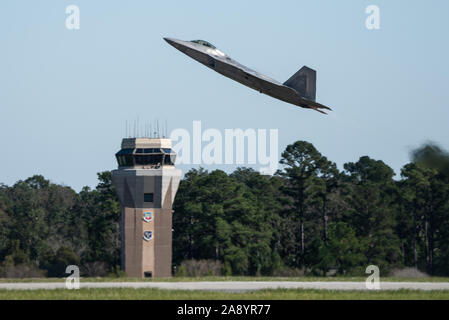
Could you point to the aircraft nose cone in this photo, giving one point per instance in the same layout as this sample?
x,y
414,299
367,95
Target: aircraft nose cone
x,y
170,41
178,44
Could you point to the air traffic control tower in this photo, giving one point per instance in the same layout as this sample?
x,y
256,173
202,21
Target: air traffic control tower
x,y
146,182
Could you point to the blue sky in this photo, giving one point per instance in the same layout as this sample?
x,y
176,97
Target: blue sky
x,y
66,94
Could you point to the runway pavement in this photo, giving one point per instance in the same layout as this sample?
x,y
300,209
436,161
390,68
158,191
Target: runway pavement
x,y
232,286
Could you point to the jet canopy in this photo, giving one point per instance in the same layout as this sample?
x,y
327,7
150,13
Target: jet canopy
x,y
204,43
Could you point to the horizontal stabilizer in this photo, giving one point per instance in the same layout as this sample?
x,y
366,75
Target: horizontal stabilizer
x,y
303,81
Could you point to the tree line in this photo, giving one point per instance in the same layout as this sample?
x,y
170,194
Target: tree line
x,y
308,218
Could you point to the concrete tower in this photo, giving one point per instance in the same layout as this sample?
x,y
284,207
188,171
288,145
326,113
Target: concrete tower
x,y
146,182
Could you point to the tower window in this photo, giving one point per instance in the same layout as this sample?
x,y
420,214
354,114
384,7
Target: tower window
x,y
147,197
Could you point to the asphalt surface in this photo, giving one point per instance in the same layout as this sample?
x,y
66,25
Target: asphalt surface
x,y
232,286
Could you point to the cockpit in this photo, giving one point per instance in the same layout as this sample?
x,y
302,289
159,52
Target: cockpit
x,y
204,43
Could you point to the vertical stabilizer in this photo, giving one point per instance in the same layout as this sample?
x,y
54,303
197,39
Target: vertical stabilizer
x,y
303,81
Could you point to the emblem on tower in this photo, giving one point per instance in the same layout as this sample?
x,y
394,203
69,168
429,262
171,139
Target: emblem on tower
x,y
148,216
148,235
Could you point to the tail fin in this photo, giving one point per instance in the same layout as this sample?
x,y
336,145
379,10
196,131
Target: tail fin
x,y
303,81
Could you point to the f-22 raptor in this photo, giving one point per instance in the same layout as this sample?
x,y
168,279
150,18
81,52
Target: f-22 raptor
x,y
299,90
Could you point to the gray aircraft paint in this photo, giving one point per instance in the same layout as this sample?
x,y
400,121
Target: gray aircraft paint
x,y
300,89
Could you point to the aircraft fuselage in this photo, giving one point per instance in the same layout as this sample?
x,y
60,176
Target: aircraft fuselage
x,y
221,63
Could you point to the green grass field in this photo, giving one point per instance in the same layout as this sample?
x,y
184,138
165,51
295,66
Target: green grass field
x,y
233,278
158,294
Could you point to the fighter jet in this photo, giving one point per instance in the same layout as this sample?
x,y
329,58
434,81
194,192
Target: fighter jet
x,y
299,90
